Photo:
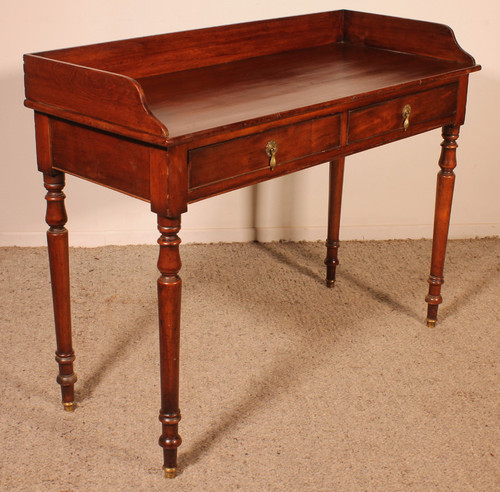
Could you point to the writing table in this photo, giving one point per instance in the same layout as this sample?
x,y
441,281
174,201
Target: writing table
x,y
176,118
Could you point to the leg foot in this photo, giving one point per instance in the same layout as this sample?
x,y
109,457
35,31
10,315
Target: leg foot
x,y
170,472
69,406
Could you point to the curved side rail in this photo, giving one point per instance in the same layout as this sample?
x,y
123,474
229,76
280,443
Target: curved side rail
x,y
405,35
104,100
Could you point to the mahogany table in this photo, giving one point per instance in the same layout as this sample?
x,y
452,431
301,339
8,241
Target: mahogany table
x,y
176,118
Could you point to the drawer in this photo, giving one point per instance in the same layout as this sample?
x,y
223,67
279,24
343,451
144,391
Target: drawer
x,y
242,156
388,117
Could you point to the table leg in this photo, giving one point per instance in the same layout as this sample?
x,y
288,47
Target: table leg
x,y
334,206
169,307
57,240
444,196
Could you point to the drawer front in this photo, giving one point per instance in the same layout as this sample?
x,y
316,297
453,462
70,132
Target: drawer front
x,y
416,109
234,158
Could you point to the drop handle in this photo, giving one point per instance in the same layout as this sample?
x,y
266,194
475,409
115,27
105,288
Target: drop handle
x,y
271,149
406,115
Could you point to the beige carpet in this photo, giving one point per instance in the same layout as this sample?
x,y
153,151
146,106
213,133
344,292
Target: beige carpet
x,y
285,386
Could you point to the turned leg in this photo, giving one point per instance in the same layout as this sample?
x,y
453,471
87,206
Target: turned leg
x,y
57,240
169,307
334,206
444,196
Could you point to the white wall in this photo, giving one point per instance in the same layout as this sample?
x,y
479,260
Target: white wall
x,y
388,193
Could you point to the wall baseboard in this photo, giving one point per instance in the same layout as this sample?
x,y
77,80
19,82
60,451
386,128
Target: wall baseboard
x,y
263,234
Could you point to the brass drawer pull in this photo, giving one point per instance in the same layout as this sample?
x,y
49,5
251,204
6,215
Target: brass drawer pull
x,y
406,116
271,149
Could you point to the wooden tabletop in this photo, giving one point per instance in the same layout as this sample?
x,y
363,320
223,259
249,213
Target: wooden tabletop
x,y
274,86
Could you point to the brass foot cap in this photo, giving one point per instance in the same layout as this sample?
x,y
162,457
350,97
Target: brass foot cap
x,y
169,472
330,283
431,323
69,406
